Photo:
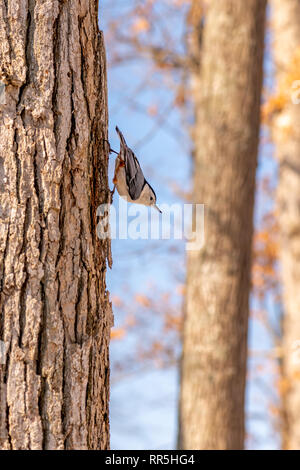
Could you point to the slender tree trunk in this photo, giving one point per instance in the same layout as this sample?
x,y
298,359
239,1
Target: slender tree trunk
x,y
286,135
55,312
227,94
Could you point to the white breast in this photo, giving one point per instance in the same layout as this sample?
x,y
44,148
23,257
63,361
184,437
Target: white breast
x,y
121,183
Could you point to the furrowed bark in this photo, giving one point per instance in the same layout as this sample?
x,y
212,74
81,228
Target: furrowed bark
x,y
55,310
286,136
227,90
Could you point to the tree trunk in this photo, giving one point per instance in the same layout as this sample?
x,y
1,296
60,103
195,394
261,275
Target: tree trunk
x,y
286,135
55,311
227,94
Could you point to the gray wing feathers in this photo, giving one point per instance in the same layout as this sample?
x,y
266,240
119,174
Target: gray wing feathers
x,y
134,176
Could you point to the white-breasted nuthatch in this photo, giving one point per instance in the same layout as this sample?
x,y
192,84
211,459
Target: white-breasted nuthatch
x,y
129,178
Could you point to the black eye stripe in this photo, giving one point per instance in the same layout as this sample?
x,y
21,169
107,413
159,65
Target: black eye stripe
x,y
151,189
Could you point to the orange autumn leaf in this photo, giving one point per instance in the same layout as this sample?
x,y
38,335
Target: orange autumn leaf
x,y
117,302
277,102
141,25
117,333
173,322
152,110
143,300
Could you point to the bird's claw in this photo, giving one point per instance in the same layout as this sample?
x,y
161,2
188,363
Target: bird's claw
x,y
109,147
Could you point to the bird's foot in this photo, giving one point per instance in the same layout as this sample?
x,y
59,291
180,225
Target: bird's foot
x,y
109,147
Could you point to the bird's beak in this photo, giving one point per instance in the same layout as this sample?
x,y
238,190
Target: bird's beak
x,y
157,208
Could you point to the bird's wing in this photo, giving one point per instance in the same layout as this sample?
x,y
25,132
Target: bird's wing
x,y
134,176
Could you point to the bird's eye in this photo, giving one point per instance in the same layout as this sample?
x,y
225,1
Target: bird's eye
x,y
151,198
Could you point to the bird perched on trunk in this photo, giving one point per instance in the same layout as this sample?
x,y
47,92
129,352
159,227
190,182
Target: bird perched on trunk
x,y
129,178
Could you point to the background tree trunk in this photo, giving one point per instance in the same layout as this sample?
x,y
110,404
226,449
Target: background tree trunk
x,y
227,94
286,135
55,311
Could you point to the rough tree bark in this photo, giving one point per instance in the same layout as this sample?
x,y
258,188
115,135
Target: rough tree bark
x,y
286,135
227,95
55,311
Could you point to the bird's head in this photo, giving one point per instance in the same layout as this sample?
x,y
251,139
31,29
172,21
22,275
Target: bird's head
x,y
149,197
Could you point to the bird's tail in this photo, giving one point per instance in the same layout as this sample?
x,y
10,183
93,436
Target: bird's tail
x,y
122,139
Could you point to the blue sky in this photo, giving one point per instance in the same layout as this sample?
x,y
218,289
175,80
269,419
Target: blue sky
x,y
144,405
